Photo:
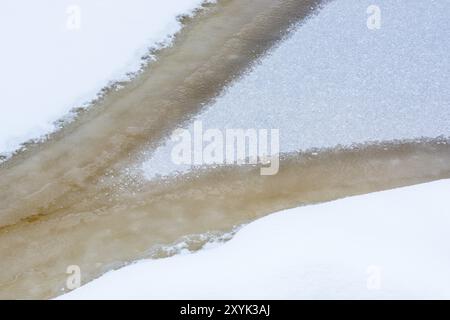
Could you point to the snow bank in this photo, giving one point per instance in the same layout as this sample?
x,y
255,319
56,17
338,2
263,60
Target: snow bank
x,y
391,244
335,81
57,55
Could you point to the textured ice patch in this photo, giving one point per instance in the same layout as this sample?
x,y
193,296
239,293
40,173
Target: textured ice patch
x,y
335,81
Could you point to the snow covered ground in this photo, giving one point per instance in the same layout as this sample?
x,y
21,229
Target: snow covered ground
x,y
335,81
391,244
57,55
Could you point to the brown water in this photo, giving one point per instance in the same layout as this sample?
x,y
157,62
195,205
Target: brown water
x,y
104,233
64,202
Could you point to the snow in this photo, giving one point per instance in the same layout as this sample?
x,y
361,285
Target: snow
x,y
336,82
391,244
57,55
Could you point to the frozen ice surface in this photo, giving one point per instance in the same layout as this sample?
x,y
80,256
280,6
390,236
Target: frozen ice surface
x,y
335,81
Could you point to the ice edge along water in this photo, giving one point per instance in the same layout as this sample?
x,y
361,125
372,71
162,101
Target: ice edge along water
x,y
58,56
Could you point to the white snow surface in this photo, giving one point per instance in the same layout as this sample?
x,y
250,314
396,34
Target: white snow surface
x,y
392,244
49,65
335,82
